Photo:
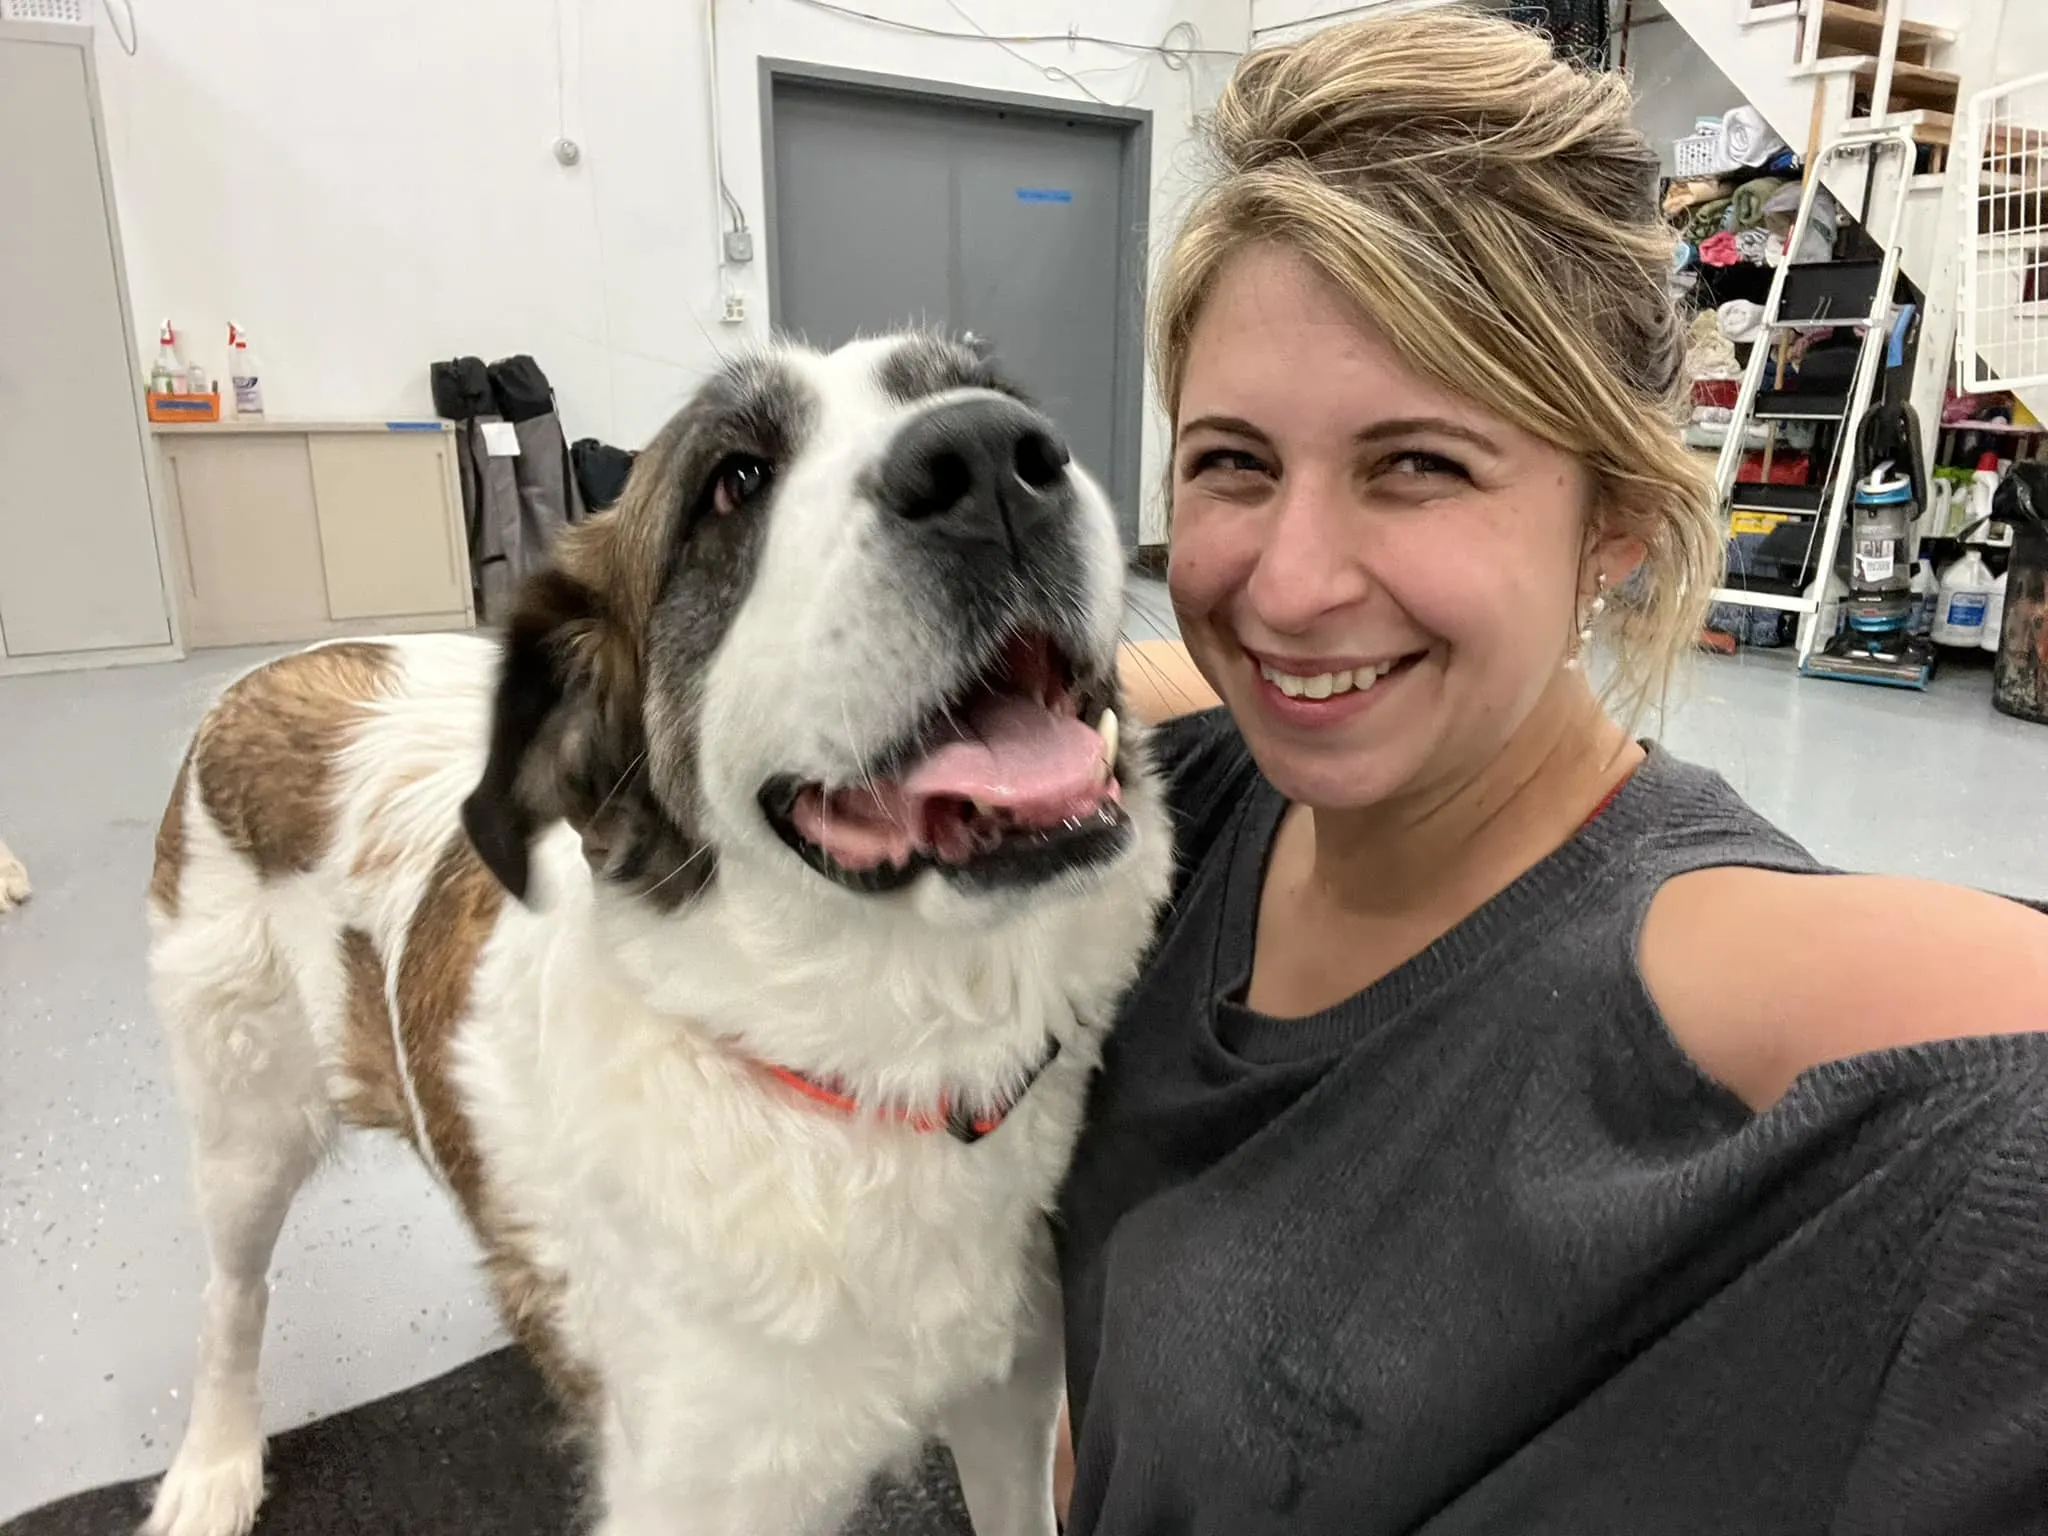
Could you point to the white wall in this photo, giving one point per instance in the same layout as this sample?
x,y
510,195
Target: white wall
x,y
2023,40
368,184
1277,21
1675,83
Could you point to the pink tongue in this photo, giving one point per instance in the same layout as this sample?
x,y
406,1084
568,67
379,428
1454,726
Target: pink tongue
x,y
1021,756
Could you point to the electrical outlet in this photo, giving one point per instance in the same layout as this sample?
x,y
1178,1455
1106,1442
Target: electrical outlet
x,y
739,246
735,310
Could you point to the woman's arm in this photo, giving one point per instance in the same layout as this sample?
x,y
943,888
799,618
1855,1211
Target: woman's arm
x,y
1761,975
1160,681
1958,1438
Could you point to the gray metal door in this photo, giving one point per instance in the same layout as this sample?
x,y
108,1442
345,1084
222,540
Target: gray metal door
x,y
1007,226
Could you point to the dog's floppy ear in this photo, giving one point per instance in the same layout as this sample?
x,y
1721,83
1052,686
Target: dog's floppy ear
x,y
565,724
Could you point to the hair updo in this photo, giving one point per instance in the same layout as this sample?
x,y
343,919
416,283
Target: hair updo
x,y
1492,210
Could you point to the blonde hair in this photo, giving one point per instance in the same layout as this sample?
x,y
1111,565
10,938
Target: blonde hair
x,y
1492,210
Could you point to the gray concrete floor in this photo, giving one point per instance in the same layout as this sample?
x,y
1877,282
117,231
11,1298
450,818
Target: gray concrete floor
x,y
100,1260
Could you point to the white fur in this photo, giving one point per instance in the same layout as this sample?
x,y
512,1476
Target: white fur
x,y
777,1300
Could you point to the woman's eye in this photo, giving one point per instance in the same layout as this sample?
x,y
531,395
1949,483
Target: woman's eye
x,y
738,481
1230,460
1416,464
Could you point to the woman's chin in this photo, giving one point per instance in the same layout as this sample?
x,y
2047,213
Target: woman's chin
x,y
1338,772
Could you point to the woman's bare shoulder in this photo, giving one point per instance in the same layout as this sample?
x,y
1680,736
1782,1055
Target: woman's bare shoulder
x,y
1761,975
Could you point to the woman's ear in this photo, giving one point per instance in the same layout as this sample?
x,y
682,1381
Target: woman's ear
x,y
1619,555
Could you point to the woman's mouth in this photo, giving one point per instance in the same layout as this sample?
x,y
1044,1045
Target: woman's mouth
x,y
1323,691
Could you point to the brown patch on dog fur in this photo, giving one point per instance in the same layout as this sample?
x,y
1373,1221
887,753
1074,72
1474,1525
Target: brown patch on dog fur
x,y
169,867
373,1091
449,928
442,944
264,755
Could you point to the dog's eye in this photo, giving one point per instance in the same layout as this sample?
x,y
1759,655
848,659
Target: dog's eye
x,y
738,481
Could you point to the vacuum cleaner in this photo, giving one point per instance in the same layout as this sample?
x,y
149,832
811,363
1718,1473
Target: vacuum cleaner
x,y
1875,643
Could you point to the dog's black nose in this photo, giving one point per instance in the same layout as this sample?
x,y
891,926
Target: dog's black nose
x,y
988,468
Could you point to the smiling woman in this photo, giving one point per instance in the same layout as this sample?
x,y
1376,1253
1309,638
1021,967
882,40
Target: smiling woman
x,y
1511,1131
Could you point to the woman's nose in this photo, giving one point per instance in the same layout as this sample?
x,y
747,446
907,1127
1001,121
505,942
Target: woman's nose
x,y
1308,563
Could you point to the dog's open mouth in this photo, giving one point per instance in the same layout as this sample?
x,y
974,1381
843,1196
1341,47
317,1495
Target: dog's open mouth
x,y
1009,784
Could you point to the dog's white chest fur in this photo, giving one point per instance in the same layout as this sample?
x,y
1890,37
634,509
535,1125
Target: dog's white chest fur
x,y
686,1184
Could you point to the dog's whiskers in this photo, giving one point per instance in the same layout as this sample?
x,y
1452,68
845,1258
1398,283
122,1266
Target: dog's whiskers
x,y
623,780
679,869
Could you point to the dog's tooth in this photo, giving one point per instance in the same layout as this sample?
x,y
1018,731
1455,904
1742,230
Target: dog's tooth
x,y
1111,733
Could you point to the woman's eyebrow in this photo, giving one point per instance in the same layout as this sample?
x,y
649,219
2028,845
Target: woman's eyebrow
x,y
1413,426
1236,426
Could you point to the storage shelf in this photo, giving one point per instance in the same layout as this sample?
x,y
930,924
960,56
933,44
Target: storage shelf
x,y
1914,85
284,424
1856,27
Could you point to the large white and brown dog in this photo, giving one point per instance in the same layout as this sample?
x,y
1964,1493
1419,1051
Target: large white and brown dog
x,y
734,939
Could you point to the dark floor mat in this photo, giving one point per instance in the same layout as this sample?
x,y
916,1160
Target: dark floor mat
x,y
473,1451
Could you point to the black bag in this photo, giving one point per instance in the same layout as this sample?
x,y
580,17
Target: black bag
x,y
520,389
462,388
601,471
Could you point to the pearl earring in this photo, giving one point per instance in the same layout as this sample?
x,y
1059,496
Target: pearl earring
x,y
1594,609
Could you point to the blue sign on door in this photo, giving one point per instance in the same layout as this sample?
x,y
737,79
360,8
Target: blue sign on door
x,y
1044,195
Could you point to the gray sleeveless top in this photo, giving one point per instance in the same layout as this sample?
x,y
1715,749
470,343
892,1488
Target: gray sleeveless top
x,y
1480,1250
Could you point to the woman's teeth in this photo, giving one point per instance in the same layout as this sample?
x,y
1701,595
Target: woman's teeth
x,y
1326,685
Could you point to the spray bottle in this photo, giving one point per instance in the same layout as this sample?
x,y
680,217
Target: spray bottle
x,y
242,371
167,373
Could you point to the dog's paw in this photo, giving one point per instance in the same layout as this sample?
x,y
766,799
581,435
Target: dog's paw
x,y
13,880
209,1494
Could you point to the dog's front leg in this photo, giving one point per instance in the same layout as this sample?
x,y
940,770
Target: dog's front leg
x,y
1002,1435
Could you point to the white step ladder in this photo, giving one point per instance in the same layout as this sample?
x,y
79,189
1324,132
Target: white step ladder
x,y
1808,296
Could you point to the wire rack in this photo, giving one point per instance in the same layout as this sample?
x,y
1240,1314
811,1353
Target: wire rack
x,y
2004,339
1578,29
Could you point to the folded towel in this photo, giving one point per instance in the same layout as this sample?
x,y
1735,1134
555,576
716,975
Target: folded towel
x,y
1782,211
1683,195
1720,250
1706,219
1747,207
1740,320
1747,139
1712,360
1752,244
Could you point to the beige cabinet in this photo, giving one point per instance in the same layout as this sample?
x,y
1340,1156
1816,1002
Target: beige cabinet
x,y
82,578
293,531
